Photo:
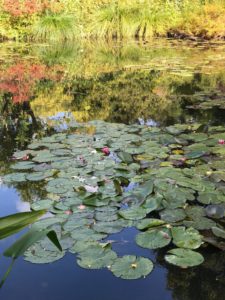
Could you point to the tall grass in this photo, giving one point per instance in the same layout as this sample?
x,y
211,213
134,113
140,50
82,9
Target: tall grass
x,y
122,18
118,19
55,27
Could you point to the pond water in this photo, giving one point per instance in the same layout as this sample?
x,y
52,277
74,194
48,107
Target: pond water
x,y
45,89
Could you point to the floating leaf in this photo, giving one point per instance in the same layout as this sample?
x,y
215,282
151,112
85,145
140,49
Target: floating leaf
x,y
154,238
149,223
218,232
184,258
172,215
131,267
186,238
133,213
96,257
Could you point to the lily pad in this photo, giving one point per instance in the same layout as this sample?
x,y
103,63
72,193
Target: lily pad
x,y
149,223
218,232
186,238
172,215
133,213
184,258
96,257
131,267
154,238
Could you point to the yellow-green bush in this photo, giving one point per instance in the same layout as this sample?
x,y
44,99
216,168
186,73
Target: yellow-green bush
x,y
116,19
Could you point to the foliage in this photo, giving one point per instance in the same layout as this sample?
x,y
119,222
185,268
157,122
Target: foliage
x,y
14,223
55,27
112,19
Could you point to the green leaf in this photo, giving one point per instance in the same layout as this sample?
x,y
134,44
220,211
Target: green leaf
x,y
133,213
96,257
154,238
125,157
200,224
149,223
14,223
218,232
184,258
131,267
172,215
28,239
186,238
54,239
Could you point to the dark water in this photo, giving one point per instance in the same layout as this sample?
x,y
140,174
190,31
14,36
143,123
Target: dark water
x,y
48,88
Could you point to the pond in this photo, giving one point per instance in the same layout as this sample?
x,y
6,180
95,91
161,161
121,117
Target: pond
x,y
161,114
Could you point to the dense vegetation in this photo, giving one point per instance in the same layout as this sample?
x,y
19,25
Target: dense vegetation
x,y
69,19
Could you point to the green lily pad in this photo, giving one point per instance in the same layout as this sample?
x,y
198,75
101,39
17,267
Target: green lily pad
x,y
184,258
154,238
172,215
88,234
186,238
211,198
37,255
131,267
23,165
200,224
38,176
15,177
133,213
218,232
96,257
110,227
42,204
149,223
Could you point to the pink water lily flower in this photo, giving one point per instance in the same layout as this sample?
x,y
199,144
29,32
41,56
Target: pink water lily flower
x,y
221,142
81,207
106,150
68,212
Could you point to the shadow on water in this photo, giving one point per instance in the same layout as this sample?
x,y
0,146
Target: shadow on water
x,y
44,89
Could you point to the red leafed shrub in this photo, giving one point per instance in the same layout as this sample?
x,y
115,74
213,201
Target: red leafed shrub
x,y
20,79
19,8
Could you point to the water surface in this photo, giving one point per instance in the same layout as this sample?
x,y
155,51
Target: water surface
x,y
49,88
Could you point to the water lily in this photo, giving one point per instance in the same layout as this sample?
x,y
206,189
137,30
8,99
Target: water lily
x,y
25,157
81,207
106,150
68,212
91,189
221,142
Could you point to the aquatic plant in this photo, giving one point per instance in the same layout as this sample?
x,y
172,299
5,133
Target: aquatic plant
x,y
176,195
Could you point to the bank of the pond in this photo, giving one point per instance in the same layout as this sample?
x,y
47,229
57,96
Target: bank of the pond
x,y
68,19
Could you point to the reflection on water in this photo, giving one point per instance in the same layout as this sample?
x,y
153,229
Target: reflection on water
x,y
47,88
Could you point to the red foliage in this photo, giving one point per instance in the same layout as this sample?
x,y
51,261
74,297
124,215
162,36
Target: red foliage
x,y
20,79
18,8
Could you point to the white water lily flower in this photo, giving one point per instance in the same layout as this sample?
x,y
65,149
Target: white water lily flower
x,y
91,189
81,179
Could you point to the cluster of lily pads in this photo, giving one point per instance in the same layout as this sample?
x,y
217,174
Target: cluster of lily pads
x,y
207,100
169,183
